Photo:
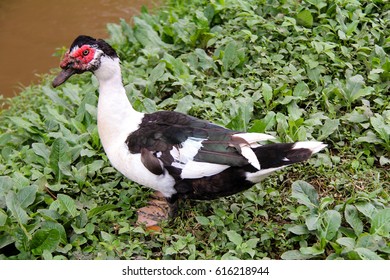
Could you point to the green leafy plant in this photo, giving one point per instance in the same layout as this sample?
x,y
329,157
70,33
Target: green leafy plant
x,y
341,229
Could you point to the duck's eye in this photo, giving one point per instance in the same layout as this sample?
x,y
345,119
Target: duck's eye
x,y
85,52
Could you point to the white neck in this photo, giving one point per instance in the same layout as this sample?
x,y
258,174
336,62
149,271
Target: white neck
x,y
116,116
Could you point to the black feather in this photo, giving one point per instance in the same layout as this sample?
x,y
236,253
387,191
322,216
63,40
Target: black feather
x,y
151,162
161,131
101,44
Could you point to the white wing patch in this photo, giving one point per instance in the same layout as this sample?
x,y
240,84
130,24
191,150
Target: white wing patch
x,y
183,159
313,146
248,153
183,156
186,152
260,175
251,140
196,169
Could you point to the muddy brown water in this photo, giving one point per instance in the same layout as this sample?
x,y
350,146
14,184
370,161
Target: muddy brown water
x,y
32,30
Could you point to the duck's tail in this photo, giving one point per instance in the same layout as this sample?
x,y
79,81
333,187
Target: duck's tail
x,y
273,157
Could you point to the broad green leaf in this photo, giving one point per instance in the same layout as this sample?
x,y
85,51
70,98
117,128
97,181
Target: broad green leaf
x,y
352,218
228,256
170,251
282,123
80,175
95,166
5,138
26,196
234,237
146,35
367,254
176,65
384,161
318,3
312,221
106,236
59,156
305,193
355,117
330,223
264,124
64,166
22,123
6,240
328,128
205,61
305,18
295,255
204,221
380,223
41,150
355,90
92,110
49,215
16,209
294,112
231,57
381,127
325,201
3,217
354,84
243,108
372,242
298,229
6,184
101,209
54,96
301,90
370,138
347,242
266,92
55,115
157,72
72,91
185,104
44,240
252,243
20,181
366,208
67,204
49,225
311,250
90,228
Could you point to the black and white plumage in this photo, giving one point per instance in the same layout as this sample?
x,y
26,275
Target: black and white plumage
x,y
176,154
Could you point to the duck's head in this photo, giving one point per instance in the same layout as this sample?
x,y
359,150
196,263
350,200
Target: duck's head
x,y
84,54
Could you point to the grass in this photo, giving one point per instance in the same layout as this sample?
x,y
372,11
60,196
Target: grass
x,y
295,69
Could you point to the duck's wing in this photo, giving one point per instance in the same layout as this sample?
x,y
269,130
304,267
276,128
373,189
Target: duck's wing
x,y
189,147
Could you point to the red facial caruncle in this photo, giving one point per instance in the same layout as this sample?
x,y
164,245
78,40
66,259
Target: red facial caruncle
x,y
79,58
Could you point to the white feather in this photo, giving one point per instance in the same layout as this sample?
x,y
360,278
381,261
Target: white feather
x,y
186,152
196,169
260,175
248,153
313,146
116,120
253,138
190,148
251,141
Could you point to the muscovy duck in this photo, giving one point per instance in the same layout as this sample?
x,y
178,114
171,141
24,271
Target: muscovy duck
x,y
176,154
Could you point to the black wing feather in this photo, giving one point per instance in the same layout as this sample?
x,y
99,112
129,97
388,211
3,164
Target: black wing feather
x,y
159,132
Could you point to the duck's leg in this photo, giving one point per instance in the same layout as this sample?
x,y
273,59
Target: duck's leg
x,y
157,210
173,206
